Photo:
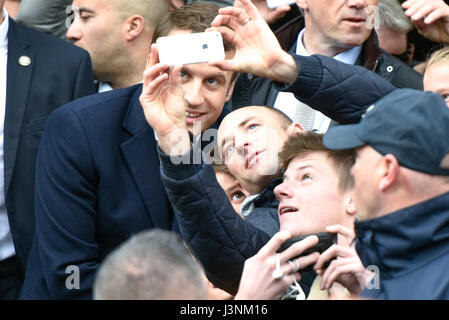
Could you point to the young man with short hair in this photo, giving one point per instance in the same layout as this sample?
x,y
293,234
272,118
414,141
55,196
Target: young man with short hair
x,y
316,193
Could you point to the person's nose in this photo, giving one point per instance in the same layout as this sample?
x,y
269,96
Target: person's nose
x,y
242,144
283,190
74,32
193,93
357,4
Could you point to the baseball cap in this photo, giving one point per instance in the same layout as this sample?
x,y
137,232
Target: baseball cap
x,y
412,125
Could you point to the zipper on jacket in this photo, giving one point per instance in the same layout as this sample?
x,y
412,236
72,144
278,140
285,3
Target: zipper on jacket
x,y
376,64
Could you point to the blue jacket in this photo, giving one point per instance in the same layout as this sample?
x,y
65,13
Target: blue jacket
x,y
340,91
219,237
97,184
410,248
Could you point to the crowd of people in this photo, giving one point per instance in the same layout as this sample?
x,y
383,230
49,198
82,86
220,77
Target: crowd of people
x,y
127,178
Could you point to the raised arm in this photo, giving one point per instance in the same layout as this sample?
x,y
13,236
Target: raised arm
x,y
220,238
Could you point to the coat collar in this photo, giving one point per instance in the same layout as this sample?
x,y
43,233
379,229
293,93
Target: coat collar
x,y
405,239
134,120
140,153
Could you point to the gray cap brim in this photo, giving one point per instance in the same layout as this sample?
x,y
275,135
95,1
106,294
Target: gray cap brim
x,y
343,137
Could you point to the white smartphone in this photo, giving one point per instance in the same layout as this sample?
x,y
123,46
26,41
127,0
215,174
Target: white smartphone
x,y
191,48
272,4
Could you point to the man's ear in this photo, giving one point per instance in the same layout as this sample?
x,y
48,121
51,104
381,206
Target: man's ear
x,y
389,172
295,128
133,27
302,4
350,207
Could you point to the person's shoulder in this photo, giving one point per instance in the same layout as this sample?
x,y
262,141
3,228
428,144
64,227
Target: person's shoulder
x,y
100,104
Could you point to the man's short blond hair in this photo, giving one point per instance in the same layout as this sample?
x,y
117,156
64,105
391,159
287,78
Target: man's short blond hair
x,y
438,56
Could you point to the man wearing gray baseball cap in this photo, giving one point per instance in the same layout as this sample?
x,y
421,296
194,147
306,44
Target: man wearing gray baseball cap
x,y
402,193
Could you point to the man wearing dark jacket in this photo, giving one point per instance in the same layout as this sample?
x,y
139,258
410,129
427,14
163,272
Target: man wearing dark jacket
x,y
402,189
39,73
334,28
221,239
97,176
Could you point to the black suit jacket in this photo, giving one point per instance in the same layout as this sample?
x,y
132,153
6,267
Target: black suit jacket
x,y
59,72
97,184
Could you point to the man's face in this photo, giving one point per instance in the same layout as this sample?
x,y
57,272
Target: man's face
x,y
206,90
435,79
338,23
97,29
249,140
310,198
366,189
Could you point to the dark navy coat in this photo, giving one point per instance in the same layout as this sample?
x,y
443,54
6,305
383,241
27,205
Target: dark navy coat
x,y
43,73
410,250
97,184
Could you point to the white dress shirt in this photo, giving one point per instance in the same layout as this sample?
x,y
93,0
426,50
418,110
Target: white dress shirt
x,y
286,101
6,244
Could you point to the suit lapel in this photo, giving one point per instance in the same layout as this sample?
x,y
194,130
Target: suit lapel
x,y
141,156
17,88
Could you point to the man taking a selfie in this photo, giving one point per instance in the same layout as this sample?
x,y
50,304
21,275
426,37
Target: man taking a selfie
x,y
98,178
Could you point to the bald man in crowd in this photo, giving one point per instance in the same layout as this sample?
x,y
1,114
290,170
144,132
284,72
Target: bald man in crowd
x,y
117,34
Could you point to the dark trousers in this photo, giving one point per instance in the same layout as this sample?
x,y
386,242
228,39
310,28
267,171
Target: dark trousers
x,y
10,279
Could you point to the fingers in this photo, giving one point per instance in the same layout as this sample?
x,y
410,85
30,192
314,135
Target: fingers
x,y
274,244
346,232
227,33
230,15
249,7
154,55
153,77
279,12
233,20
298,248
336,269
434,16
421,12
154,70
174,75
239,15
333,252
428,11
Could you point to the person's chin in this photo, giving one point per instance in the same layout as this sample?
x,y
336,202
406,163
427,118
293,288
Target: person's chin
x,y
266,167
354,38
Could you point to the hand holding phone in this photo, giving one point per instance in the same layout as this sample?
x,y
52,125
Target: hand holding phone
x,y
326,240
